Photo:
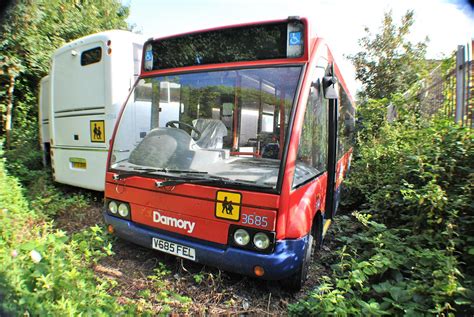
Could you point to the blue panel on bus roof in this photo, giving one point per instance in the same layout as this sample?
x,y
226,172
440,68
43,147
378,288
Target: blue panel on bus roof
x,y
295,38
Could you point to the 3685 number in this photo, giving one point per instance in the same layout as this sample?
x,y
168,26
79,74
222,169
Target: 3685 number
x,y
260,221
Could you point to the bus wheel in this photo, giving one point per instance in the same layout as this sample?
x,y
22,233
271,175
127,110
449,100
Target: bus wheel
x,y
297,280
318,232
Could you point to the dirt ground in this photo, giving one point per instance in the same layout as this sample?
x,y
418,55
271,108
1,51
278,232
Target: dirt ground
x,y
160,282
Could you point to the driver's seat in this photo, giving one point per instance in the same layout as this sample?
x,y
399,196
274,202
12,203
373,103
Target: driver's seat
x,y
166,148
212,133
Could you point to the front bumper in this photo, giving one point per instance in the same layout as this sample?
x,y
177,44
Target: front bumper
x,y
282,263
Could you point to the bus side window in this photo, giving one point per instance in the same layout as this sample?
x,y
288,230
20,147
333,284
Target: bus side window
x,y
345,124
312,149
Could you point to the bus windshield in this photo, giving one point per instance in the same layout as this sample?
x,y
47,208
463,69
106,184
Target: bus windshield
x,y
227,124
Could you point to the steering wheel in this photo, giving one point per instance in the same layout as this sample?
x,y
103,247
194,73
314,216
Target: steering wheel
x,y
176,124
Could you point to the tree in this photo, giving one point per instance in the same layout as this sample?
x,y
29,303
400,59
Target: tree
x,y
388,62
29,34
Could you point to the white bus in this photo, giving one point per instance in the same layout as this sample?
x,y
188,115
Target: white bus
x,y
43,118
89,81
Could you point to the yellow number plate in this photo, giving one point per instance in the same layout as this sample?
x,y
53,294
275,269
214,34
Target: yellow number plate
x,y
228,205
79,165
78,162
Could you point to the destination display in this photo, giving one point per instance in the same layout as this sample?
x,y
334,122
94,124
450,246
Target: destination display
x,y
248,43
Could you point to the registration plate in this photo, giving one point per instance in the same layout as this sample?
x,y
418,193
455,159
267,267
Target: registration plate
x,y
79,165
77,162
174,248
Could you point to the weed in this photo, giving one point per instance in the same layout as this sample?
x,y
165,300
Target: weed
x,y
43,271
407,252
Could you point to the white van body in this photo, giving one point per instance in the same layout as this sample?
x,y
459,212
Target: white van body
x,y
90,79
43,118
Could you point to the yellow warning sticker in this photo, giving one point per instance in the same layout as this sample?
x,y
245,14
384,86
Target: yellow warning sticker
x,y
228,205
97,131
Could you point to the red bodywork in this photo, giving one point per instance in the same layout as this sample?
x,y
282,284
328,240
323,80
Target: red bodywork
x,y
289,213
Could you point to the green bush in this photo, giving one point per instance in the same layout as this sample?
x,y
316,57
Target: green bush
x,y
420,176
25,157
381,271
409,249
43,271
50,200
24,162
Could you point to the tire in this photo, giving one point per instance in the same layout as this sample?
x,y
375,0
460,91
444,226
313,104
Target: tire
x,y
317,232
297,280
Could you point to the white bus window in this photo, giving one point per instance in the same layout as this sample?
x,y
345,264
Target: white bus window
x,y
94,55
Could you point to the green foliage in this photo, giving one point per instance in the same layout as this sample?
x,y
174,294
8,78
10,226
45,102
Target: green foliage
x,y
408,252
29,34
388,62
159,297
419,174
48,200
44,197
25,158
198,278
386,271
43,271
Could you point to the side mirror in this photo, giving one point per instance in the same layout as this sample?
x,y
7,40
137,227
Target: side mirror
x,y
330,87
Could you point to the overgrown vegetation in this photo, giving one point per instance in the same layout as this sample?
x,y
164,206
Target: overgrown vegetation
x,y
408,249
43,271
159,292
29,33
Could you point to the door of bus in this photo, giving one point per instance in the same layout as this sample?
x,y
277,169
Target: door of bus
x,y
330,93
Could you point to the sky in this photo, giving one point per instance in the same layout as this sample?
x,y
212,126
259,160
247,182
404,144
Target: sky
x,y
447,23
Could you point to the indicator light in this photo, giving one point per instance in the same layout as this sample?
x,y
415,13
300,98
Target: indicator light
x,y
258,271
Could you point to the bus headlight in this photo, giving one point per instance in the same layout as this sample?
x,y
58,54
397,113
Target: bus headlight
x,y
252,239
123,210
261,241
113,207
241,237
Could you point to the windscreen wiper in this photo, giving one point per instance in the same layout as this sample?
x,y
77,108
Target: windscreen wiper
x,y
183,177
153,172
193,180
167,170
209,180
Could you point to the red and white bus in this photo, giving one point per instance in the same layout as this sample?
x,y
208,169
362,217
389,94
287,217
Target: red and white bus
x,y
240,164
